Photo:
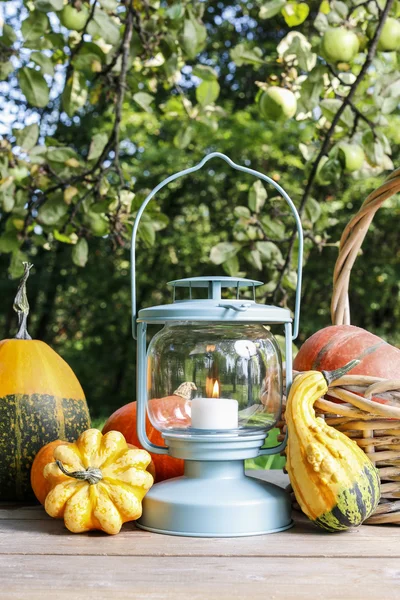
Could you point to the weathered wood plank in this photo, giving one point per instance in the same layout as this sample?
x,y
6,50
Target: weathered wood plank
x,y
211,579
49,536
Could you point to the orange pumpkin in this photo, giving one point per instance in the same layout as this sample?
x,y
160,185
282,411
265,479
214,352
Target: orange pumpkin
x,y
170,410
334,346
40,485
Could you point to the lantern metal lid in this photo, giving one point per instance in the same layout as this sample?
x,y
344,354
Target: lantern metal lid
x,y
214,498
215,308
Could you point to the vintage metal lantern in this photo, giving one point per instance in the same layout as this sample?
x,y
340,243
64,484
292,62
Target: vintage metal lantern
x,y
211,382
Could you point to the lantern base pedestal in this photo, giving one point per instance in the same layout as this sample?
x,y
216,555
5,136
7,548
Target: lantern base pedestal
x,y
215,499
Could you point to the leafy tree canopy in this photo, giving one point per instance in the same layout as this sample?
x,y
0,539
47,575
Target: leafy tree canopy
x,y
103,99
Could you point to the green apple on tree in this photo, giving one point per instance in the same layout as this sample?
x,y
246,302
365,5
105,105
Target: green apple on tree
x,y
74,19
389,39
97,223
352,157
340,44
277,104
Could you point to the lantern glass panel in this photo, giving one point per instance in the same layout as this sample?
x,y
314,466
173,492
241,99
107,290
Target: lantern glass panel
x,y
235,361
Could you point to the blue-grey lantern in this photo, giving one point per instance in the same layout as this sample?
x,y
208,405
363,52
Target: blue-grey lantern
x,y
218,368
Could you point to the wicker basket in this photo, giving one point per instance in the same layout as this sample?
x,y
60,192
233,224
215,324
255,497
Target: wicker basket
x,y
375,427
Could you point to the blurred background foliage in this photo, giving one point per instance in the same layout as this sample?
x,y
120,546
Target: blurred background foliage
x,y
100,101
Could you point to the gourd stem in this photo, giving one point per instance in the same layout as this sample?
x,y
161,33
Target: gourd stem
x,y
331,376
185,390
21,305
92,475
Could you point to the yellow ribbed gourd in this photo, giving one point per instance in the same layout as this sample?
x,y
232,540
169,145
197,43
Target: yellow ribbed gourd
x,y
334,482
98,482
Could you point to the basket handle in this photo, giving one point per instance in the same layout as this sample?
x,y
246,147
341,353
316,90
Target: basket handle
x,y
350,243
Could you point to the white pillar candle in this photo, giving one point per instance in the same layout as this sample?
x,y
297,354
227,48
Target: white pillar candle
x,y
215,413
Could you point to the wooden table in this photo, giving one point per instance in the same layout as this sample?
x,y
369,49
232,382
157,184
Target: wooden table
x,y
40,559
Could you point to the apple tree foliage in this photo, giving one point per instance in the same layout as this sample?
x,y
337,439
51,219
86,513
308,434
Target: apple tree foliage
x,y
101,100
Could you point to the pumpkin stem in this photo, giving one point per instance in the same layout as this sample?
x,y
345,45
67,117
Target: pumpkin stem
x,y
331,376
185,390
21,305
92,475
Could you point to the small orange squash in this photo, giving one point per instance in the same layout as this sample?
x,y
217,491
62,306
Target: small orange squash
x,y
40,485
97,483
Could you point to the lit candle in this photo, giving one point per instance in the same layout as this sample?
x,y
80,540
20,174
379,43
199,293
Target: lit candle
x,y
215,413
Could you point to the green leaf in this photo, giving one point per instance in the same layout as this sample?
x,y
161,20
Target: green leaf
x,y
159,221
34,87
109,4
231,266
205,72
147,233
175,11
8,36
207,92
388,105
52,211
257,196
75,93
16,268
183,138
6,68
80,253
295,13
49,5
329,170
27,137
307,151
270,252
242,55
312,210
324,7
222,252
201,31
255,259
144,100
188,39
104,27
97,145
87,62
34,27
9,242
295,46
273,228
44,62
37,155
330,106
340,8
270,9
321,23
290,280
7,194
242,211
61,237
59,156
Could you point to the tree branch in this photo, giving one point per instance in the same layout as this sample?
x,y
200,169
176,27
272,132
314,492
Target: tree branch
x,y
328,136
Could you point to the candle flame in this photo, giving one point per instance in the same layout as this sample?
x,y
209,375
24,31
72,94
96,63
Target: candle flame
x,y
215,391
212,387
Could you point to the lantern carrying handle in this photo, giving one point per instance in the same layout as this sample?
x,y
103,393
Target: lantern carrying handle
x,y
237,168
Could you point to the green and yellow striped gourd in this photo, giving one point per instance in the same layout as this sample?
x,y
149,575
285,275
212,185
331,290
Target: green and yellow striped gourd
x,y
41,400
334,482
